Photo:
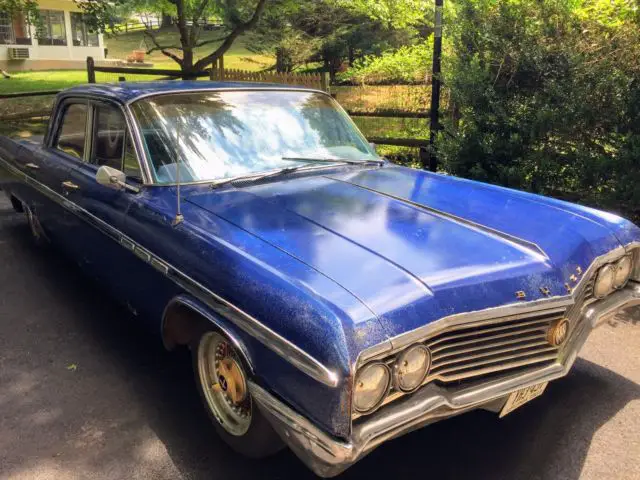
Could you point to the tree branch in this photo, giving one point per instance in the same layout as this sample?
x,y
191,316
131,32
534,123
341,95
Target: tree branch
x,y
163,49
228,41
207,42
195,29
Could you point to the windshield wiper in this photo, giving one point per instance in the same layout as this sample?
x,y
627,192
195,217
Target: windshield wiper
x,y
254,178
333,160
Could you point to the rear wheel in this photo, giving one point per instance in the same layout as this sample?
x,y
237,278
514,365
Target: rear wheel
x,y
37,232
222,379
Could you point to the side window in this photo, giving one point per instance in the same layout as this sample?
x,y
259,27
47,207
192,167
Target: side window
x,y
73,130
112,143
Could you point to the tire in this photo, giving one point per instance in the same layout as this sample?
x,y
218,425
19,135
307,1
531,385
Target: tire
x,y
236,418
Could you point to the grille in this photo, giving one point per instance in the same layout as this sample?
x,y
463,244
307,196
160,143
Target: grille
x,y
470,352
484,350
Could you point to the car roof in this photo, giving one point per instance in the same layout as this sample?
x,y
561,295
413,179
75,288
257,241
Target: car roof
x,y
128,91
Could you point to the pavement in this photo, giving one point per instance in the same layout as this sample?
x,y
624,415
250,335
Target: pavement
x,y
86,394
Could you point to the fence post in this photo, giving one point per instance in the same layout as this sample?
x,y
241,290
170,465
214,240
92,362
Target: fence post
x,y
435,88
324,81
91,73
221,68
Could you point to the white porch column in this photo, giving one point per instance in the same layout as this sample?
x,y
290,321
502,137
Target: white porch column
x,y
67,27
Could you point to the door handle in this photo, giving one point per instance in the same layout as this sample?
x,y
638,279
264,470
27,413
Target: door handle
x,y
68,185
32,166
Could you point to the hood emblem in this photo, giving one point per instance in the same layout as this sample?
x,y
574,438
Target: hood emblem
x,y
558,332
520,295
545,291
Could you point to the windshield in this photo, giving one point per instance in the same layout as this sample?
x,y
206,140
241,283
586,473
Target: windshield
x,y
223,134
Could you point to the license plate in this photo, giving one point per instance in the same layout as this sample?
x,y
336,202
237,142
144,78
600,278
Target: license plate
x,y
522,396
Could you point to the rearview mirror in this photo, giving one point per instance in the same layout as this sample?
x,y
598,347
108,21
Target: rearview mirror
x,y
113,178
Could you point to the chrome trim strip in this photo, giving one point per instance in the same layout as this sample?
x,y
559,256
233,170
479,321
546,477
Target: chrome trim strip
x,y
284,88
529,246
272,340
328,456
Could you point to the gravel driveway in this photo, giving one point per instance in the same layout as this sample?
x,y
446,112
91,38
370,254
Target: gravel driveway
x,y
85,394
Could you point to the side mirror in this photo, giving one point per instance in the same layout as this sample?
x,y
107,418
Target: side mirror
x,y
113,178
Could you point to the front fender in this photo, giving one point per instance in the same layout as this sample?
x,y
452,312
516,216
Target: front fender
x,y
328,407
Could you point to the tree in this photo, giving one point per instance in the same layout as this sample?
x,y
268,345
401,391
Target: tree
x,y
27,8
322,31
238,17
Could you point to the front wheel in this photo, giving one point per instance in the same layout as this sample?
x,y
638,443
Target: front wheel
x,y
222,380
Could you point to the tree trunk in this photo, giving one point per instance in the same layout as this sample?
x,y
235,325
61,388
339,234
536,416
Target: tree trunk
x,y
188,73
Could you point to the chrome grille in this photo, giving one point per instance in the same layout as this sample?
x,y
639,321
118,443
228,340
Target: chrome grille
x,y
481,350
472,351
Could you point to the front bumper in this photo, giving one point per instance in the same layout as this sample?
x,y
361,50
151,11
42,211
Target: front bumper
x,y
328,456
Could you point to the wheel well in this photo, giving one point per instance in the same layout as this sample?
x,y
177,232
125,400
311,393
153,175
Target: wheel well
x,y
180,325
16,204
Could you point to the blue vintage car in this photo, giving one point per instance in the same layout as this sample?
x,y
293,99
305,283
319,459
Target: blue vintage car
x,y
331,300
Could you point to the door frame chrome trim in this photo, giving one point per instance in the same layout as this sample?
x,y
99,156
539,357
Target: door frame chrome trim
x,y
243,320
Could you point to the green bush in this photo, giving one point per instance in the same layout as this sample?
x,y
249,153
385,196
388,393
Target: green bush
x,y
407,64
548,93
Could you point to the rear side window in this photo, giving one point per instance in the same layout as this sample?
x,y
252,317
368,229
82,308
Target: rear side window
x,y
73,130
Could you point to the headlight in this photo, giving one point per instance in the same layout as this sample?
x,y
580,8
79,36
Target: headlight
x,y
371,386
411,367
604,281
623,271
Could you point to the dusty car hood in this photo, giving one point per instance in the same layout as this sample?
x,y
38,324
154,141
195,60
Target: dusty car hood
x,y
413,246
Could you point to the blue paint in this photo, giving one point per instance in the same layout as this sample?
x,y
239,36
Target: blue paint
x,y
334,261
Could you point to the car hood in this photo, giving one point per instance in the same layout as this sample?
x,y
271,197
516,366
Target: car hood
x,y
413,246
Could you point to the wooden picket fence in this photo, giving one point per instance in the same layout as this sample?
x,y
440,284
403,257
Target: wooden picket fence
x,y
311,80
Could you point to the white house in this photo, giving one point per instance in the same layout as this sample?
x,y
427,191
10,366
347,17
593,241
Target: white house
x,y
66,42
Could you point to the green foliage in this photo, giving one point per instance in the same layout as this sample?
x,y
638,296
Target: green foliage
x,y
237,16
393,13
29,9
322,31
407,64
548,94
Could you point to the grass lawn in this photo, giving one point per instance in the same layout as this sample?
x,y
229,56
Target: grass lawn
x,y
237,56
120,47
42,80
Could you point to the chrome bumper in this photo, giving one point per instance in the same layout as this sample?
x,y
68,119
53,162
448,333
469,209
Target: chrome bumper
x,y
328,456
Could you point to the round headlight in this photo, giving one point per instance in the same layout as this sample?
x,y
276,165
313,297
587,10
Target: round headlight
x,y
623,271
371,386
411,367
604,281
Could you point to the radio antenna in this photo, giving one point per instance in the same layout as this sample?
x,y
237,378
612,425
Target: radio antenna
x,y
178,218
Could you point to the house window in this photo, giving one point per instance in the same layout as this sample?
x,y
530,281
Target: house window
x,y
82,36
53,29
14,30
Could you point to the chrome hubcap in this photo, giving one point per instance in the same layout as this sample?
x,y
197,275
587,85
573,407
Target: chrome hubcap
x,y
224,383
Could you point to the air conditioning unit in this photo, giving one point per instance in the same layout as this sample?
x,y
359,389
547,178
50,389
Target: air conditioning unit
x,y
18,53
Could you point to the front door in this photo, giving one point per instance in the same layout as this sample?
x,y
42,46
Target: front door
x,y
104,208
